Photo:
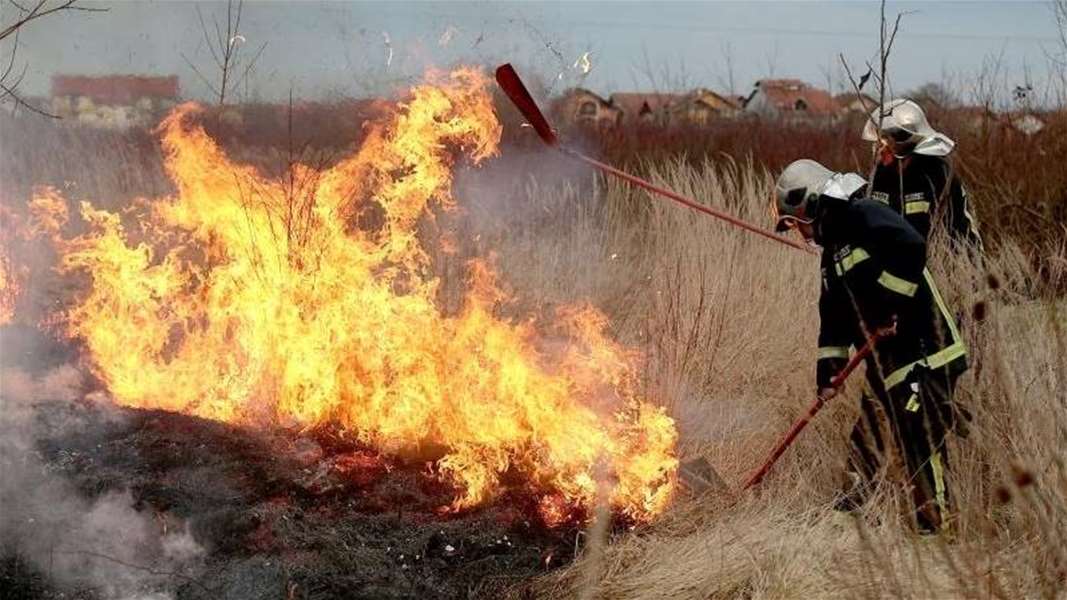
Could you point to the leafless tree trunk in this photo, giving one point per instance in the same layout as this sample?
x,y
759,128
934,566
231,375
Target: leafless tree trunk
x,y
771,58
730,82
886,37
225,44
1058,59
24,14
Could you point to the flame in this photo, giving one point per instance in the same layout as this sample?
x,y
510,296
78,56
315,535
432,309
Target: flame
x,y
238,300
9,288
12,277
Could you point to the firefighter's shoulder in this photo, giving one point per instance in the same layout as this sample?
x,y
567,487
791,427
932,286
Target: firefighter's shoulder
x,y
866,215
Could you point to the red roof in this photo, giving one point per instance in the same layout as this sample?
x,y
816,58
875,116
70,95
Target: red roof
x,y
699,94
848,98
636,104
116,89
792,94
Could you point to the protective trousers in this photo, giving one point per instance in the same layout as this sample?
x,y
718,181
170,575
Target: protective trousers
x,y
920,411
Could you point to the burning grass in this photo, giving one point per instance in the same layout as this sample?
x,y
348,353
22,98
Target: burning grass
x,y
725,325
241,300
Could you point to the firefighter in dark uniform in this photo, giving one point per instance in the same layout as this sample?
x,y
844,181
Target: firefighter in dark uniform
x,y
873,276
914,176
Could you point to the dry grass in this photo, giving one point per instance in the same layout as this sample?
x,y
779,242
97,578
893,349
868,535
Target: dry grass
x,y
729,324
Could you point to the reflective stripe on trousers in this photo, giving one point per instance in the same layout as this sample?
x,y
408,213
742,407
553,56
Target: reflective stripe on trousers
x,y
940,358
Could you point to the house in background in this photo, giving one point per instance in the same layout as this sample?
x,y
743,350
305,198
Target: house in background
x,y
1026,123
790,99
113,101
851,102
578,106
702,107
641,107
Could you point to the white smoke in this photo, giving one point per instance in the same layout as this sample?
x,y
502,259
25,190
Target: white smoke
x,y
104,543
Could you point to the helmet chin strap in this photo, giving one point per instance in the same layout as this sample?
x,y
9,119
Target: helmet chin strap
x,y
888,151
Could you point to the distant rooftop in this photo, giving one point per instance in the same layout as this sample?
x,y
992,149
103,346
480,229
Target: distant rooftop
x,y
116,89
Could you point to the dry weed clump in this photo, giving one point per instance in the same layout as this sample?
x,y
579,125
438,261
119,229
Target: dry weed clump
x,y
109,167
729,324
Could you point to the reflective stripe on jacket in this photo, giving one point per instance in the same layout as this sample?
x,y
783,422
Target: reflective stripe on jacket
x,y
918,193
874,269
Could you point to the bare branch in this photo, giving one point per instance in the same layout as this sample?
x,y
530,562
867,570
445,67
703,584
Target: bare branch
x,y
225,50
219,39
39,11
12,94
727,53
251,64
207,40
237,19
204,79
8,88
18,80
11,63
858,87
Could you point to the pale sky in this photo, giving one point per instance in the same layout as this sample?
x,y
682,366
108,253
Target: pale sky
x,y
323,48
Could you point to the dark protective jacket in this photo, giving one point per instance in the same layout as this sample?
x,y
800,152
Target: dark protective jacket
x,y
874,269
918,193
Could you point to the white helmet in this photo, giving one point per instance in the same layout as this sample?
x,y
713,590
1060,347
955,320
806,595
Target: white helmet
x,y
796,189
904,123
802,183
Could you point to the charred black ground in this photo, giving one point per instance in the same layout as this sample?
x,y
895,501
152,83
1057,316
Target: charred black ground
x,y
283,515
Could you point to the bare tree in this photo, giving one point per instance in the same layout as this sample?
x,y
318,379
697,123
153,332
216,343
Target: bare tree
x,y
1057,59
1059,12
934,94
886,37
828,75
25,13
225,43
771,58
729,82
664,77
989,83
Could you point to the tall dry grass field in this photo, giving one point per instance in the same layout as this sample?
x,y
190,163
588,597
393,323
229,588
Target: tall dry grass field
x,y
727,323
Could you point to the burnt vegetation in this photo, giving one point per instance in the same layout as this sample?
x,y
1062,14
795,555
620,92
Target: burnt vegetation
x,y
283,515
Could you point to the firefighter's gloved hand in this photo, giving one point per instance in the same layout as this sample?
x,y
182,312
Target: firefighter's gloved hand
x,y
825,369
826,393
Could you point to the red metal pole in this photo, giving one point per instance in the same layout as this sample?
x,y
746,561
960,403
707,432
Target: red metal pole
x,y
515,89
693,204
815,407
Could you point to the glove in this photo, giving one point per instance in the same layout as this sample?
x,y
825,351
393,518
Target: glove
x,y
825,370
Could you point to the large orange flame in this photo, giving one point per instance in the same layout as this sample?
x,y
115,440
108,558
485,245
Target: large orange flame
x,y
237,300
12,276
8,286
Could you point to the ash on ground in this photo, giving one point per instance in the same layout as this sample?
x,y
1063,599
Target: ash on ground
x,y
278,515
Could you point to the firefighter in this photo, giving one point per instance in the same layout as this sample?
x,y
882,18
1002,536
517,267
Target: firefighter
x,y
914,176
873,276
